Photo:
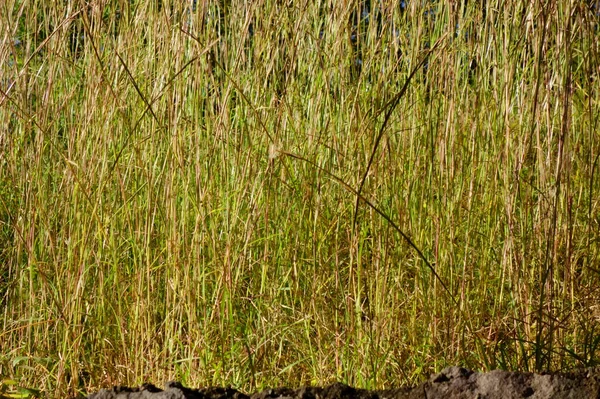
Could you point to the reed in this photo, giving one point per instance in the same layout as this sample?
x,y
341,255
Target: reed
x,y
282,193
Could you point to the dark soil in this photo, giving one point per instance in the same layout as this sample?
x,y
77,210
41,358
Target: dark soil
x,y
451,383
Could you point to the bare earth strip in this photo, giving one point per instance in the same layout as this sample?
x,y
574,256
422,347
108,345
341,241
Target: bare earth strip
x,y
451,383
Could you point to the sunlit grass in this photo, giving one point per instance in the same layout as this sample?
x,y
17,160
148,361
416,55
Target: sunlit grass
x,y
179,183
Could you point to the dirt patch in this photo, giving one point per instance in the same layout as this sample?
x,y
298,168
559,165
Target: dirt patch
x,y
451,383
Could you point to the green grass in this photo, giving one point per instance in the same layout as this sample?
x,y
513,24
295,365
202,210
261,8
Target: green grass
x,y
178,199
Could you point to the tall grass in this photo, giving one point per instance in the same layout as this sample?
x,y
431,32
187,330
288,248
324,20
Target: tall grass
x,y
231,193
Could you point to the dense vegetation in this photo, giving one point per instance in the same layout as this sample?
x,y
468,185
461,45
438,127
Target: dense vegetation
x,y
265,192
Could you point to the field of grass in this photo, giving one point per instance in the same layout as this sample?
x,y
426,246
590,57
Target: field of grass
x,y
267,193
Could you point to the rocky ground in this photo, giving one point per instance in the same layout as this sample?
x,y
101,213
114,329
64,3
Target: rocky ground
x,y
451,383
